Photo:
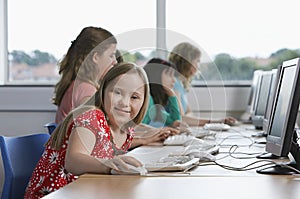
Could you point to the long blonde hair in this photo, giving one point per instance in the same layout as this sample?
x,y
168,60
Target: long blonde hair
x,y
97,102
182,55
77,63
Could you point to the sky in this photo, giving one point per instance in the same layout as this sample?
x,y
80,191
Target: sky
x,y
240,28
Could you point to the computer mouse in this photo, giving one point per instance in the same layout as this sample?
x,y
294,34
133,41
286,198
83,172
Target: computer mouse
x,y
132,170
137,170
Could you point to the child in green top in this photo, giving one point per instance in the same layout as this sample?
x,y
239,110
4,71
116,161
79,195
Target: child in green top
x,y
163,109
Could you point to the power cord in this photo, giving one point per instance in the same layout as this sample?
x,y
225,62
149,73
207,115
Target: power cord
x,y
244,168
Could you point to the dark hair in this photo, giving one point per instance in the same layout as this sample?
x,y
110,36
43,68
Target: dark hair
x,y
154,69
119,56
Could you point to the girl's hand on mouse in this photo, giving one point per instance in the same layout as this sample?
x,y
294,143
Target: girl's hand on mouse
x,y
120,163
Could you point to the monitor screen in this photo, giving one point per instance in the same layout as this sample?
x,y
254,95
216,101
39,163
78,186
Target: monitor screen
x,y
247,116
262,97
254,90
263,93
283,115
274,81
281,127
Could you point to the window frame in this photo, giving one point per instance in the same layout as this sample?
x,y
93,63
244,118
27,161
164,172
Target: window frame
x,y
3,43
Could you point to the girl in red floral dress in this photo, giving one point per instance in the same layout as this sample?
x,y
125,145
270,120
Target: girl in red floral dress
x,y
93,137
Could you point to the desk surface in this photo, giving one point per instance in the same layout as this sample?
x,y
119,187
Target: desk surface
x,y
136,187
201,182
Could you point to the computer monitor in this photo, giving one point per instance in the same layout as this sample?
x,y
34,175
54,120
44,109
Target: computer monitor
x,y
265,104
246,117
282,138
274,82
263,90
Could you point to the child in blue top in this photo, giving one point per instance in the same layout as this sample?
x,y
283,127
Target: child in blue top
x,y
163,109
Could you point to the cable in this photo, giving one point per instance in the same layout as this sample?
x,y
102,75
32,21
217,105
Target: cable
x,y
238,136
244,168
235,147
232,151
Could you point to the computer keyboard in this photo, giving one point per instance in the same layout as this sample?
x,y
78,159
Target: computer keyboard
x,y
200,132
178,139
216,127
174,163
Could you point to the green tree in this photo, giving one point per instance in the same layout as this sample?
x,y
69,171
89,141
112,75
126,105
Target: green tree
x,y
282,55
36,58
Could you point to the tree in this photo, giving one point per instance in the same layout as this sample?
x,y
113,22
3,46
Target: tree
x,y
36,58
283,55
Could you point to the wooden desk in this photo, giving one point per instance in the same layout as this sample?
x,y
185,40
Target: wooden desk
x,y
201,182
136,187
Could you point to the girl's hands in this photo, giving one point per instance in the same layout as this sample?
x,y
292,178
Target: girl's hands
x,y
158,135
230,121
122,164
181,126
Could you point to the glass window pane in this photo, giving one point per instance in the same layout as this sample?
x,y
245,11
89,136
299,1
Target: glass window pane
x,y
238,36
40,32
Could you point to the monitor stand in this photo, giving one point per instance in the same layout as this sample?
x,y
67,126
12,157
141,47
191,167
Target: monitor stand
x,y
285,168
270,156
260,134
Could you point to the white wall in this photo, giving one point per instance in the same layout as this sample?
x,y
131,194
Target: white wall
x,y
24,110
219,102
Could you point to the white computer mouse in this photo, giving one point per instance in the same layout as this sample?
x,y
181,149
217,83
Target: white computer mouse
x,y
132,170
137,170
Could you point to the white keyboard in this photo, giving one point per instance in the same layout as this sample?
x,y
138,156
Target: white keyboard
x,y
200,132
216,127
175,163
178,139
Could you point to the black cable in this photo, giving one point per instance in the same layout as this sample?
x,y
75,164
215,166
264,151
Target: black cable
x,y
244,168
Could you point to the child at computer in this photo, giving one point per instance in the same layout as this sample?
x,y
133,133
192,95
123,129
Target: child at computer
x,y
163,107
186,58
94,136
87,60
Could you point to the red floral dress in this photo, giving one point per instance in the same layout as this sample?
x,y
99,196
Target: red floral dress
x,y
50,174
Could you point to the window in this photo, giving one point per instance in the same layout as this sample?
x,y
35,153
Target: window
x,y
236,37
39,33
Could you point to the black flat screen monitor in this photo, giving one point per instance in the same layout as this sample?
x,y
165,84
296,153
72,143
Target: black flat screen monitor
x,y
281,136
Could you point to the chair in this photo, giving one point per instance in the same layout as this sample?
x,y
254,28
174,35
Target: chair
x,y
20,155
50,126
